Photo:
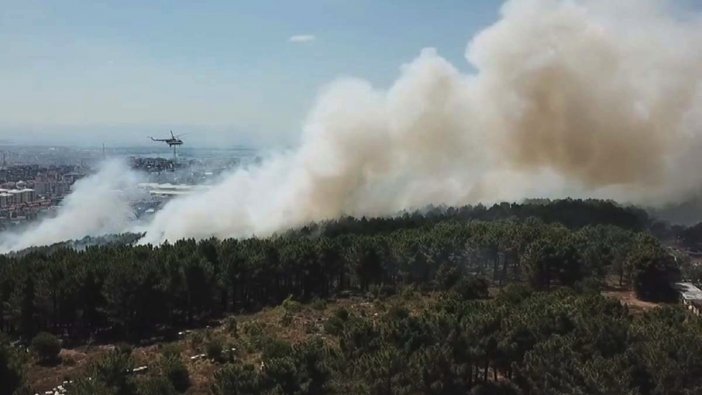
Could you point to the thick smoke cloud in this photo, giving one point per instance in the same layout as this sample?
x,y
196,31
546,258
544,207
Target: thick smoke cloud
x,y
573,98
568,98
98,205
597,92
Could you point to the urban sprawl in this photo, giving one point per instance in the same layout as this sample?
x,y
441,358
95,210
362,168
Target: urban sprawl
x,y
26,191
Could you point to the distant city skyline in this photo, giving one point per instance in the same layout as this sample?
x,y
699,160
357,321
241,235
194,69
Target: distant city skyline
x,y
228,73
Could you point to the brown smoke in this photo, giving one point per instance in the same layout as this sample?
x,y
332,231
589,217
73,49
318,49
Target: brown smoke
x,y
599,97
570,98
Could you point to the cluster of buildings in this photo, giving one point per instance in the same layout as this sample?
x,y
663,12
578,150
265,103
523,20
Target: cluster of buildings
x,y
10,197
27,190
170,190
153,165
157,194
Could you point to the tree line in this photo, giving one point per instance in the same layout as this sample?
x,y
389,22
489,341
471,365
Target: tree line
x,y
547,331
134,292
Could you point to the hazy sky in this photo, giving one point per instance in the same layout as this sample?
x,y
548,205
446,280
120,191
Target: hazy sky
x,y
246,70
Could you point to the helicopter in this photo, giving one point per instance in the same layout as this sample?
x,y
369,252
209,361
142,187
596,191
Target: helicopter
x,y
174,140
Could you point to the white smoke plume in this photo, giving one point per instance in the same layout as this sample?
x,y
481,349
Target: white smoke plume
x,y
578,98
582,98
99,204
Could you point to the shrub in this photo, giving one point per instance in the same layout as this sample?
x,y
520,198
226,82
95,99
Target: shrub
x,y
113,370
589,285
300,370
254,328
291,305
257,333
341,313
214,348
335,324
92,387
171,350
156,386
196,340
286,319
379,305
319,304
409,292
513,294
276,348
177,373
447,276
237,379
46,347
231,351
69,361
397,312
124,348
310,327
231,325
378,291
469,288
11,374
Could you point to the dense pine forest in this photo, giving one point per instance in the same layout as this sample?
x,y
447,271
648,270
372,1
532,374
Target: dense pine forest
x,y
511,303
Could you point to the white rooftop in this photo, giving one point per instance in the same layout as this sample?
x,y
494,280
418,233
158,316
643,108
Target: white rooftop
x,y
154,185
689,291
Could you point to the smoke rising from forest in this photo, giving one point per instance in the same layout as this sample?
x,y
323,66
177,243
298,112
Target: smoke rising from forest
x,y
99,204
587,98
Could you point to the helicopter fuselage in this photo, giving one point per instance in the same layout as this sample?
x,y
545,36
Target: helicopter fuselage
x,y
170,142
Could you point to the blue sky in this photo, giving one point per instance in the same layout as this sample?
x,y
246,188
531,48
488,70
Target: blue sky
x,y
115,71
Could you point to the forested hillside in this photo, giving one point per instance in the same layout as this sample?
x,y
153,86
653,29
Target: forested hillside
x,y
546,331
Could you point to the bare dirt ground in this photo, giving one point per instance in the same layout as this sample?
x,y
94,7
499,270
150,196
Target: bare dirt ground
x,y
627,297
